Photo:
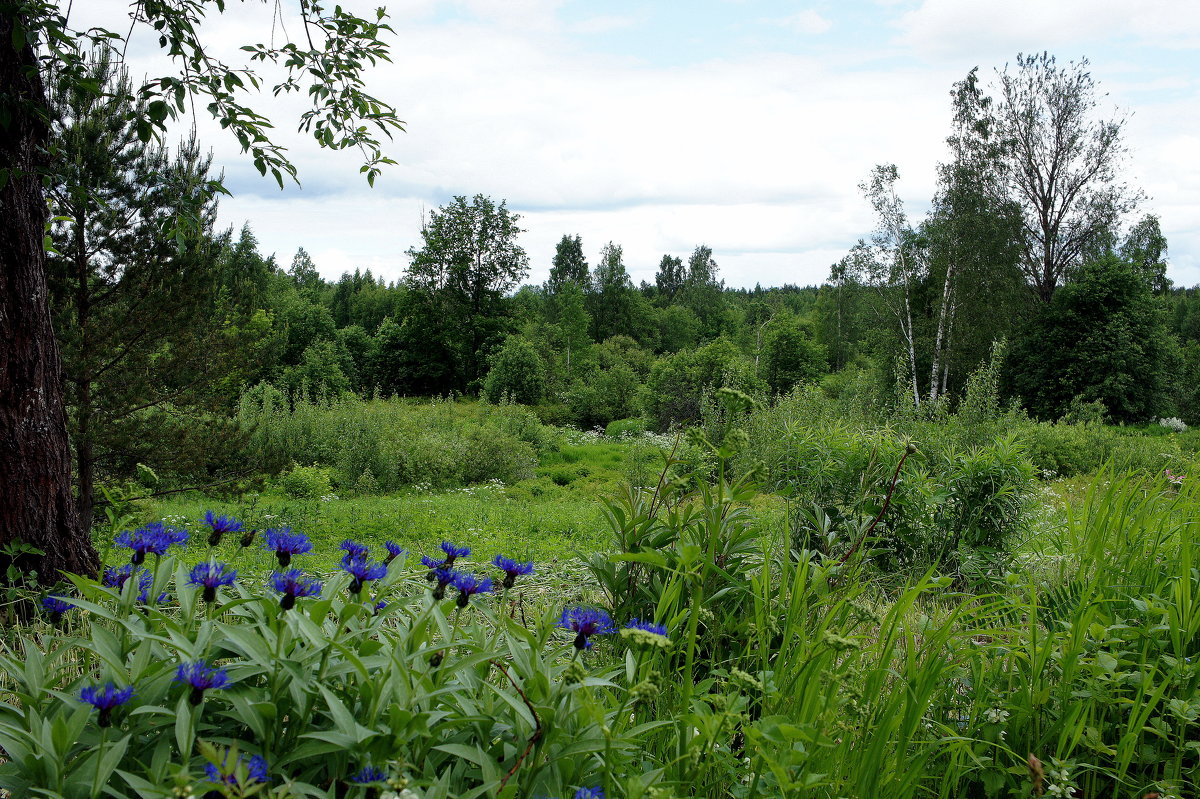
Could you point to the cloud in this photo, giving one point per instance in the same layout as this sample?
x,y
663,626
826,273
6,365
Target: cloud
x,y
807,21
755,151
603,24
988,28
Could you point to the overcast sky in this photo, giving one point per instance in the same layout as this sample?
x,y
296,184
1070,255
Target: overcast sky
x,y
745,125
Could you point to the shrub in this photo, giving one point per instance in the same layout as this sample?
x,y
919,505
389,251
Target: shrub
x,y
625,428
400,443
517,374
306,482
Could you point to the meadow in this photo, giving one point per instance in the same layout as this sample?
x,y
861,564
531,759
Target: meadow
x,y
791,600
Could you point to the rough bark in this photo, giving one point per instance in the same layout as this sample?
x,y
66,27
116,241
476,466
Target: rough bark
x,y
36,503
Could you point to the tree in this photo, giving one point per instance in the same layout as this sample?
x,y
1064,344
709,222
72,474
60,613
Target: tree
x,y
36,506
144,323
518,374
670,277
573,323
790,355
304,273
702,292
888,263
1146,248
568,266
1101,337
610,300
1054,159
971,251
702,267
469,261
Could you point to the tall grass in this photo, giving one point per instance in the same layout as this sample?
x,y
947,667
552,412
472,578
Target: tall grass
x,y
388,444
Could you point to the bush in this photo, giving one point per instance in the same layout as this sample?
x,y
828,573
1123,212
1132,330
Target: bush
x,y
517,374
675,388
400,443
625,427
306,482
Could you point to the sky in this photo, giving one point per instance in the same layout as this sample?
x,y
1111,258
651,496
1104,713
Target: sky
x,y
744,125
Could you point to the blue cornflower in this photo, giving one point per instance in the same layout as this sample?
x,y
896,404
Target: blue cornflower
x,y
433,564
201,678
453,553
469,585
354,550
362,570
256,770
379,605
443,577
152,538
220,525
394,551
585,622
512,570
369,775
646,634
650,627
590,793
104,698
292,583
116,578
285,543
55,606
212,576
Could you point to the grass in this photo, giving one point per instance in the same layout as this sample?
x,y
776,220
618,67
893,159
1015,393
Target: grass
x,y
803,677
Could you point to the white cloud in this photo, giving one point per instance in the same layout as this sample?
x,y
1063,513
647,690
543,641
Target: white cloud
x,y
807,21
757,154
990,28
604,24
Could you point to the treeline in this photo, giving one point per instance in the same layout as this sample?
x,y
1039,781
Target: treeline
x,y
165,322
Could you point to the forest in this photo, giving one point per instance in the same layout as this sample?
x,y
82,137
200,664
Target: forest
x,y
163,338
926,529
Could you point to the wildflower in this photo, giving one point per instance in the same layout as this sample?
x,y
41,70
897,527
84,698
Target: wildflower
x,y
745,680
512,570
589,793
443,578
201,678
116,578
368,775
292,584
585,622
646,634
362,570
394,551
453,553
247,539
55,606
153,538
378,605
1175,479
469,585
212,576
995,715
220,525
433,564
104,698
285,543
255,770
354,550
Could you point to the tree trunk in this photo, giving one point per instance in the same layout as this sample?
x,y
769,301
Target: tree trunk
x,y
943,334
36,506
